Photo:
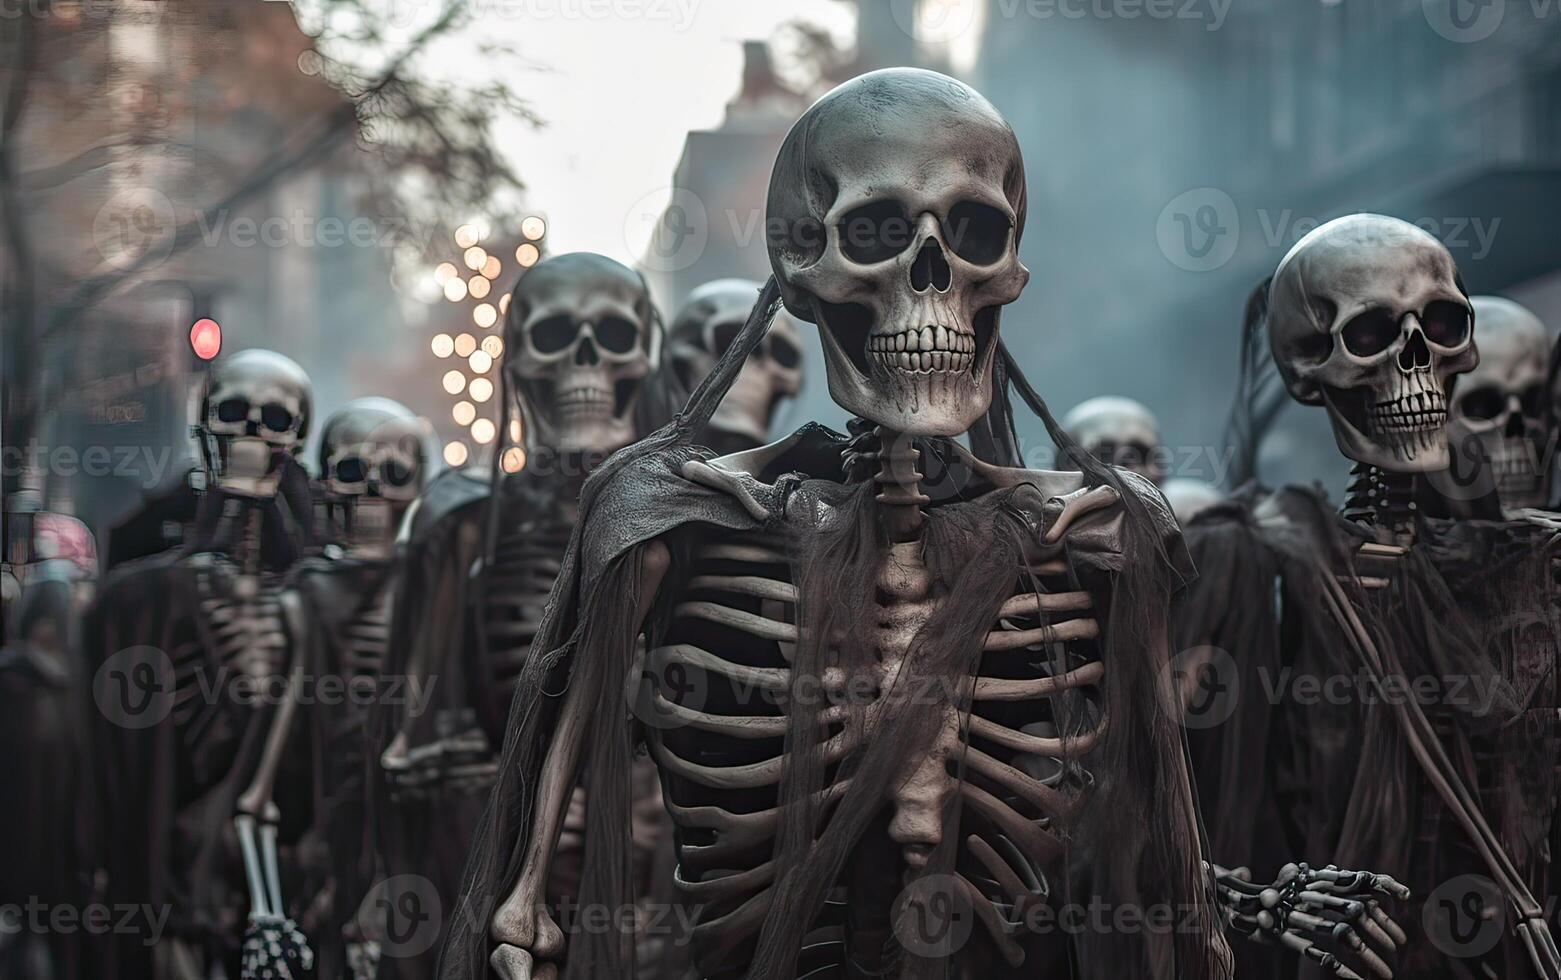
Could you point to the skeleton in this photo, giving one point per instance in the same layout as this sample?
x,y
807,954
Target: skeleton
x,y
371,469
1368,318
701,333
228,621
1501,402
900,197
1119,431
581,339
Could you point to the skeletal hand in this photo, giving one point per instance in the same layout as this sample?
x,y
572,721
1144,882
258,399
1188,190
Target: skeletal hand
x,y
1304,906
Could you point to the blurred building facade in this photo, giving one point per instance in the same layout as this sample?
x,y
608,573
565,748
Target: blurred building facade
x,y
214,176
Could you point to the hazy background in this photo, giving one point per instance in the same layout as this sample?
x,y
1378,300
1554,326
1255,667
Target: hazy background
x,y
1175,149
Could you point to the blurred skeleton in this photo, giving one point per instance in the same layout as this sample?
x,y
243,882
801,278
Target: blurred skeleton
x,y
210,789
704,329
371,468
1502,403
1121,432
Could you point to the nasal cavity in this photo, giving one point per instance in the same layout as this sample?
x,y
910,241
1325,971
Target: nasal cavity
x,y
1415,355
1517,425
586,352
931,269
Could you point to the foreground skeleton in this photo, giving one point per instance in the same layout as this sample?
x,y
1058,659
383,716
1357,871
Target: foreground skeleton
x,y
873,694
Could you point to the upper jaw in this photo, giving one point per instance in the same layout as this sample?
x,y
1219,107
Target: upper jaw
x,y
925,350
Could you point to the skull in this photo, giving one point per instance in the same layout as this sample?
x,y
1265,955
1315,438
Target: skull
x,y
372,448
1502,401
895,209
371,469
1118,431
254,414
580,340
706,327
1367,317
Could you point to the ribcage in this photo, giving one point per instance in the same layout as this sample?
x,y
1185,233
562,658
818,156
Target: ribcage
x,y
512,595
713,697
227,658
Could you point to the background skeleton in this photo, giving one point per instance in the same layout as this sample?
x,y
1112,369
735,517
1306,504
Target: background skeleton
x,y
583,342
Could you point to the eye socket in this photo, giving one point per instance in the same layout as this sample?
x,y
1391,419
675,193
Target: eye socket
x,y
351,470
552,334
978,233
276,417
785,352
1486,402
1446,324
1533,400
875,232
1370,333
616,335
1314,347
723,336
395,473
232,410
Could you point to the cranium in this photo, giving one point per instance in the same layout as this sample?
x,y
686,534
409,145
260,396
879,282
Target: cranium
x,y
705,328
895,209
579,341
1501,403
255,412
1367,317
1119,431
372,448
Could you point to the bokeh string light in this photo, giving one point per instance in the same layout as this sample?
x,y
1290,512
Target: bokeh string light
x,y
471,384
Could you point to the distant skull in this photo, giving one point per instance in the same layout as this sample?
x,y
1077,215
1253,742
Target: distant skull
x,y
255,411
895,209
372,448
1118,431
706,327
579,342
1502,401
1368,318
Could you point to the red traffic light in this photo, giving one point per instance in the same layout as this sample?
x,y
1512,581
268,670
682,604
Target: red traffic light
x,y
206,338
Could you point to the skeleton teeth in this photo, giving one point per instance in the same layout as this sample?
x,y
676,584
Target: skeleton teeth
x,y
931,348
